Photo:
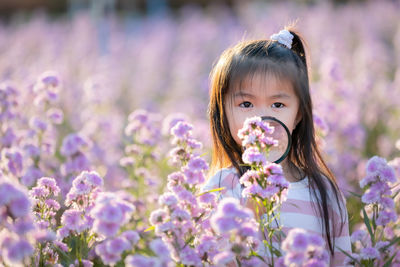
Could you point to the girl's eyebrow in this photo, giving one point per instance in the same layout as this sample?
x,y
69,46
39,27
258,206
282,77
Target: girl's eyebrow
x,y
280,95
249,95
243,94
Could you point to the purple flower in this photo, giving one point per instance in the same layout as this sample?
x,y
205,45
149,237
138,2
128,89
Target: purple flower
x,y
108,213
55,115
164,227
374,164
20,205
278,180
297,240
380,244
181,130
7,192
252,190
249,177
72,144
107,257
229,215
72,220
387,202
17,251
386,216
61,245
117,245
141,261
158,216
252,155
49,78
52,204
37,124
171,120
49,183
127,161
160,249
139,115
92,178
370,196
131,236
189,257
302,247
387,174
105,228
193,177
197,164
224,258
194,144
208,198
180,215
44,235
369,253
13,160
31,175
168,199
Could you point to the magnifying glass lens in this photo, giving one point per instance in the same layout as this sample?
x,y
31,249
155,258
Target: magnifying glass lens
x,y
279,151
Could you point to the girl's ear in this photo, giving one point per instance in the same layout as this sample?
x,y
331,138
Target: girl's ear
x,y
298,119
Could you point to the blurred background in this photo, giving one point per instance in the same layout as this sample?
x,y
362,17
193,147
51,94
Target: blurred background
x,y
113,57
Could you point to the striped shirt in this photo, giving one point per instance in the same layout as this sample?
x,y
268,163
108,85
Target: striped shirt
x,y
296,212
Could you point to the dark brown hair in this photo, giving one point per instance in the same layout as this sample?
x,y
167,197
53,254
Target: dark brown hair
x,y
270,57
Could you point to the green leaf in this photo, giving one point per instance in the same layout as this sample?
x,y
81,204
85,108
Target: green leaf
x,y
210,191
397,239
348,255
368,224
151,228
354,194
389,261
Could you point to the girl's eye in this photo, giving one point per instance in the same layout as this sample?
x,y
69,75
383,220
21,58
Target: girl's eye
x,y
278,105
246,104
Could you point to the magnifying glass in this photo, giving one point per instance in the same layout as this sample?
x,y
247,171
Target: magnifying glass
x,y
277,153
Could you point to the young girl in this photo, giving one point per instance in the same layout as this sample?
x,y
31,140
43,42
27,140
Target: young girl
x,y
270,78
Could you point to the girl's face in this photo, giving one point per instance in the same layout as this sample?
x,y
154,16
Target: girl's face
x,y
261,96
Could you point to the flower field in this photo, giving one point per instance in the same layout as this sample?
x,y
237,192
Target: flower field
x,y
105,143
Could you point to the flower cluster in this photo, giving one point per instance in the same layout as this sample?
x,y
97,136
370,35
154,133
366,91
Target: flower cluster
x,y
17,237
264,183
8,104
256,133
302,248
11,162
46,88
377,188
74,147
184,141
162,256
182,221
143,126
45,206
376,241
237,224
109,214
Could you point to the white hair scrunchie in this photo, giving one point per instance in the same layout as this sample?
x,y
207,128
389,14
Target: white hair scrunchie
x,y
284,37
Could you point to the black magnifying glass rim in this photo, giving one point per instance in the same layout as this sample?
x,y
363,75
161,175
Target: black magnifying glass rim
x,y
288,134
